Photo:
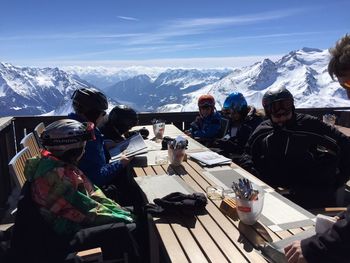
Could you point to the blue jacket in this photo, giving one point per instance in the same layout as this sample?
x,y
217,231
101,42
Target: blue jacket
x,y
93,163
206,128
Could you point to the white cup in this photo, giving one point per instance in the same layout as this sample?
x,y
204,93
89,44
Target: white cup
x,y
250,211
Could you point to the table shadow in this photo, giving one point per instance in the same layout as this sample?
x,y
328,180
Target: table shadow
x,y
256,238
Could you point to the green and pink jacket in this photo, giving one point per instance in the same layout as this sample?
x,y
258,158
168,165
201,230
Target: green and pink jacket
x,y
67,199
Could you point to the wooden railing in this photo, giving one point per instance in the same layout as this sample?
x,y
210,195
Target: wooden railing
x,y
13,129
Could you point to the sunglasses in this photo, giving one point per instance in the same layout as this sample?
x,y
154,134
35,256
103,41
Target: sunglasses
x,y
279,115
346,84
225,112
205,107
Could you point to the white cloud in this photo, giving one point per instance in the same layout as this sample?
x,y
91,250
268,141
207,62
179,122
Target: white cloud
x,y
208,62
129,18
234,20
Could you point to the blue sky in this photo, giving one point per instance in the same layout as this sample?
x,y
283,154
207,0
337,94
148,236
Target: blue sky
x,y
204,33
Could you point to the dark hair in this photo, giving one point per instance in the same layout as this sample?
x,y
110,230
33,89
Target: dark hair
x,y
340,57
123,117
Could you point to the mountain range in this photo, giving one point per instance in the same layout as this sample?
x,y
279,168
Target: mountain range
x,y
32,91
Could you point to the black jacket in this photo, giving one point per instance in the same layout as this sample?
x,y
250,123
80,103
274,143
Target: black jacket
x,y
234,145
332,246
307,156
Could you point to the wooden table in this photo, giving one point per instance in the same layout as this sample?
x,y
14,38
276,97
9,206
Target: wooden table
x,y
213,236
344,130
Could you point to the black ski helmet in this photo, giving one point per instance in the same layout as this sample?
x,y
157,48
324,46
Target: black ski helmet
x,y
89,99
65,135
123,118
276,94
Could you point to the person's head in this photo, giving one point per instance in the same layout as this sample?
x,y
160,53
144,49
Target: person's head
x,y
90,103
339,65
278,104
123,118
66,139
235,107
206,105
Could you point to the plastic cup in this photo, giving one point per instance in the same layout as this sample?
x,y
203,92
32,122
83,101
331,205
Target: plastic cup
x,y
158,130
215,192
249,211
329,119
176,156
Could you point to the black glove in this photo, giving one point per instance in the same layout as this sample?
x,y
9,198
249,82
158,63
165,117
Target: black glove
x,y
181,203
154,210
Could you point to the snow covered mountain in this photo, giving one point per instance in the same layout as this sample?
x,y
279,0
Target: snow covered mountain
x,y
303,72
168,88
104,77
33,91
28,91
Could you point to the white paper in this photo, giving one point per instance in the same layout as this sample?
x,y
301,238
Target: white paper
x,y
130,147
158,186
279,212
210,158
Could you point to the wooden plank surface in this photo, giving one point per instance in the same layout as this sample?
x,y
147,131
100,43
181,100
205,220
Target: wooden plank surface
x,y
213,236
218,243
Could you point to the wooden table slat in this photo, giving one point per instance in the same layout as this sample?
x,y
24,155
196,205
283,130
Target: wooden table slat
x,y
170,241
189,244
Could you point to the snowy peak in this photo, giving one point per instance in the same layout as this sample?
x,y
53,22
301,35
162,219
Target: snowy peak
x,y
104,77
303,72
34,90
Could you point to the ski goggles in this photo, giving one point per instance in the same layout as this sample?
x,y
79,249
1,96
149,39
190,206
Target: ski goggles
x,y
280,114
205,107
281,108
225,112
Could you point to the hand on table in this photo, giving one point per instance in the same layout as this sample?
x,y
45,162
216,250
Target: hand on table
x,y
294,254
188,133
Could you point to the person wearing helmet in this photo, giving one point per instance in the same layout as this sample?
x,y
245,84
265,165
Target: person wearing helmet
x,y
63,198
235,98
297,152
91,105
207,125
333,245
243,121
120,120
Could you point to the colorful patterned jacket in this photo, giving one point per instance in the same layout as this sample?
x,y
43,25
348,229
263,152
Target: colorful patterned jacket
x,y
67,199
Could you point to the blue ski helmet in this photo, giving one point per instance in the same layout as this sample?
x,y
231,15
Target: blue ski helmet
x,y
236,102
